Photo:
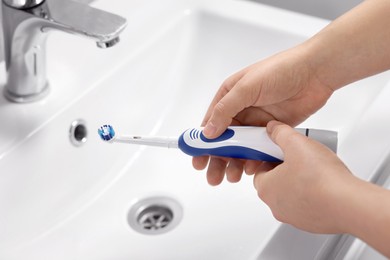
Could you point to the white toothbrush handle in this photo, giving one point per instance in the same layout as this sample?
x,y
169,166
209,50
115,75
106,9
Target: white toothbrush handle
x,y
245,142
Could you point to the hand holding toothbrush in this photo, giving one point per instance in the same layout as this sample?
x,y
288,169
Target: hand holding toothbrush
x,y
280,88
312,189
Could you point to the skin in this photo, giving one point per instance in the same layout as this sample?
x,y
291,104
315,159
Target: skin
x,y
312,189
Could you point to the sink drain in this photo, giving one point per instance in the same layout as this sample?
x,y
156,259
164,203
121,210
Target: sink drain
x,y
155,215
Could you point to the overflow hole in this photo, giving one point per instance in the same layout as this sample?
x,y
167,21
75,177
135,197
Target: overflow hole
x,y
78,132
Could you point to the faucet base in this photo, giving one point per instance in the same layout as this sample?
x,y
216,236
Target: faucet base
x,y
26,98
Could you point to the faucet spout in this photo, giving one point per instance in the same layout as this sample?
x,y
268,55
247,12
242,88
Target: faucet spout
x,y
81,19
25,26
107,44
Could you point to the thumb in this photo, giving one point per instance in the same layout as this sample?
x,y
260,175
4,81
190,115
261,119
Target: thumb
x,y
223,112
283,135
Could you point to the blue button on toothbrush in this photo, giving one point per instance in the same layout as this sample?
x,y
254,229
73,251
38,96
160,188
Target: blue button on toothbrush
x,y
243,142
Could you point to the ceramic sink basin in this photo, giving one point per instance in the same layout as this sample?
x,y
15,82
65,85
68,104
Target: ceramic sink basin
x,y
61,201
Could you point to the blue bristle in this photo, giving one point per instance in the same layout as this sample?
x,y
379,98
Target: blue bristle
x,y
106,132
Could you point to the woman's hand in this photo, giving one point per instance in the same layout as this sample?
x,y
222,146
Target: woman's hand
x,y
314,191
308,189
282,87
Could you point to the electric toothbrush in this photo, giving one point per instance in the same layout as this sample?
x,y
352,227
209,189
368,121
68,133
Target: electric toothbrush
x,y
243,142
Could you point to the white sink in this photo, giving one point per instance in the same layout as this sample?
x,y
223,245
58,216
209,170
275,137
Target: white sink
x,y
59,201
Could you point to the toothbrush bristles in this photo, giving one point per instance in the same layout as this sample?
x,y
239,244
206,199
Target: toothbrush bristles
x,y
106,132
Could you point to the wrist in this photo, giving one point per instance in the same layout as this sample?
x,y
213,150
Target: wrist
x,y
351,48
351,206
320,62
367,215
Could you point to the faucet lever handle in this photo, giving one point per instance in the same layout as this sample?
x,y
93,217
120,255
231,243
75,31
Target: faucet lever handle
x,y
23,4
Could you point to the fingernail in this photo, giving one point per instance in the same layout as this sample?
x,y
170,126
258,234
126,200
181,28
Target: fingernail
x,y
209,130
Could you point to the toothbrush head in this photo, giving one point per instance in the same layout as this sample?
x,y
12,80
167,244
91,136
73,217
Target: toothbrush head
x,y
106,133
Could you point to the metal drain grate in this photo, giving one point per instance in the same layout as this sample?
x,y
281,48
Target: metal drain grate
x,y
156,215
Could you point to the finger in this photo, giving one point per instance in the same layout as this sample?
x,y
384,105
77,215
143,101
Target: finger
x,y
234,170
263,179
265,167
237,99
251,166
224,112
216,171
200,162
226,86
282,134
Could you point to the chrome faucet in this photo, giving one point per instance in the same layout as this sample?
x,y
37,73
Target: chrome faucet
x,y
25,26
